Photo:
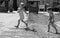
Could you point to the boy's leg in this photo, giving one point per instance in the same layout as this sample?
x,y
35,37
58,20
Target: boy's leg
x,y
49,27
26,24
27,28
55,27
18,24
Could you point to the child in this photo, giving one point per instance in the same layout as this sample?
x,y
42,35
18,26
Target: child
x,y
51,21
23,18
21,12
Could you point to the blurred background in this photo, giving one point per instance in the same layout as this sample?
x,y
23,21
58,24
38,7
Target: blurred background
x,y
39,5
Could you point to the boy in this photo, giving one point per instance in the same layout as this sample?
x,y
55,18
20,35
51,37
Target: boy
x,y
23,18
21,12
51,21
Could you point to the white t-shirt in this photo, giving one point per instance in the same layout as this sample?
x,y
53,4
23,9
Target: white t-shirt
x,y
22,14
25,16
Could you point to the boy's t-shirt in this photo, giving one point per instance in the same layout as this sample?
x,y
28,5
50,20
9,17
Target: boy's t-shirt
x,y
21,15
51,18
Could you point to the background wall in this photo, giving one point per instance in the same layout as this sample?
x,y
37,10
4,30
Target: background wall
x,y
18,2
41,1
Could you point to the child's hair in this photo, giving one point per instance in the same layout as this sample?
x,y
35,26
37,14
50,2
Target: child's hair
x,y
50,9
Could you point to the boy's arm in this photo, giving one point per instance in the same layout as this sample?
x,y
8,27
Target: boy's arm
x,y
19,10
53,17
26,13
49,17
